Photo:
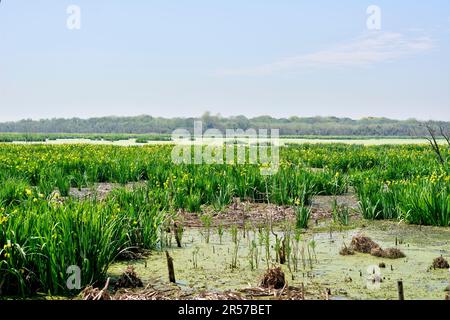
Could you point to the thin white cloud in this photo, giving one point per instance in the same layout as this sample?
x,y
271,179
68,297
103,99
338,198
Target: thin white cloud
x,y
366,50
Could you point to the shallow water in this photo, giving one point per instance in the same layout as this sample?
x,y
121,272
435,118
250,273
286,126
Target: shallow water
x,y
331,270
282,141
124,143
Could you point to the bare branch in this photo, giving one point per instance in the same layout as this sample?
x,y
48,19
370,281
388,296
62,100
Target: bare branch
x,y
446,135
434,143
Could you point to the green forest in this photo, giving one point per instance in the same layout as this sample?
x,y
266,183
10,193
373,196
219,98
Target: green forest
x,y
296,126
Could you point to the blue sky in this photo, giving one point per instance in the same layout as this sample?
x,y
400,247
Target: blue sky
x,y
181,58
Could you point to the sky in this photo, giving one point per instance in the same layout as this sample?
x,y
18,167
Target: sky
x,y
175,58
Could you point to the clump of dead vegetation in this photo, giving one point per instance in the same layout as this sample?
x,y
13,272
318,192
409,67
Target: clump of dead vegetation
x,y
390,253
219,296
132,254
91,293
150,293
364,244
346,251
286,293
273,279
129,279
440,263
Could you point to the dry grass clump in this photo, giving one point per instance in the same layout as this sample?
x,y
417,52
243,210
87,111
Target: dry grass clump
x,y
390,253
218,296
273,279
91,293
393,253
440,263
346,251
363,244
129,279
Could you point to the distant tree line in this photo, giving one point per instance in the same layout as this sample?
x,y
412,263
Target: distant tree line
x,y
324,126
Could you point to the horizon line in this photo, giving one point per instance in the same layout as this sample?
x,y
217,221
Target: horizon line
x,y
224,117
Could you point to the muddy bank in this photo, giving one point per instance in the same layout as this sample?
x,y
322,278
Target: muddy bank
x,y
238,212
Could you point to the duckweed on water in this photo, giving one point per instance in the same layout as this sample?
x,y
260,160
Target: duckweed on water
x,y
207,266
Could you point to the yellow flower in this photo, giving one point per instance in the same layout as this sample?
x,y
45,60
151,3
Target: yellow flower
x,y
3,220
28,192
8,245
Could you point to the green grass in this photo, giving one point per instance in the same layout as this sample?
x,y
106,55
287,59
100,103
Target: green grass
x,y
41,235
302,215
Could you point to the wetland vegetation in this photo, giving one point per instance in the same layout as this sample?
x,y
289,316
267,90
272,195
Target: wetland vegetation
x,y
103,208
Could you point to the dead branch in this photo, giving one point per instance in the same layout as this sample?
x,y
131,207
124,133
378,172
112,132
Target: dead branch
x,y
445,134
434,144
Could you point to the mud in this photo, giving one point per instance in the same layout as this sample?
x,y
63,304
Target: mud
x,y
244,212
101,190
